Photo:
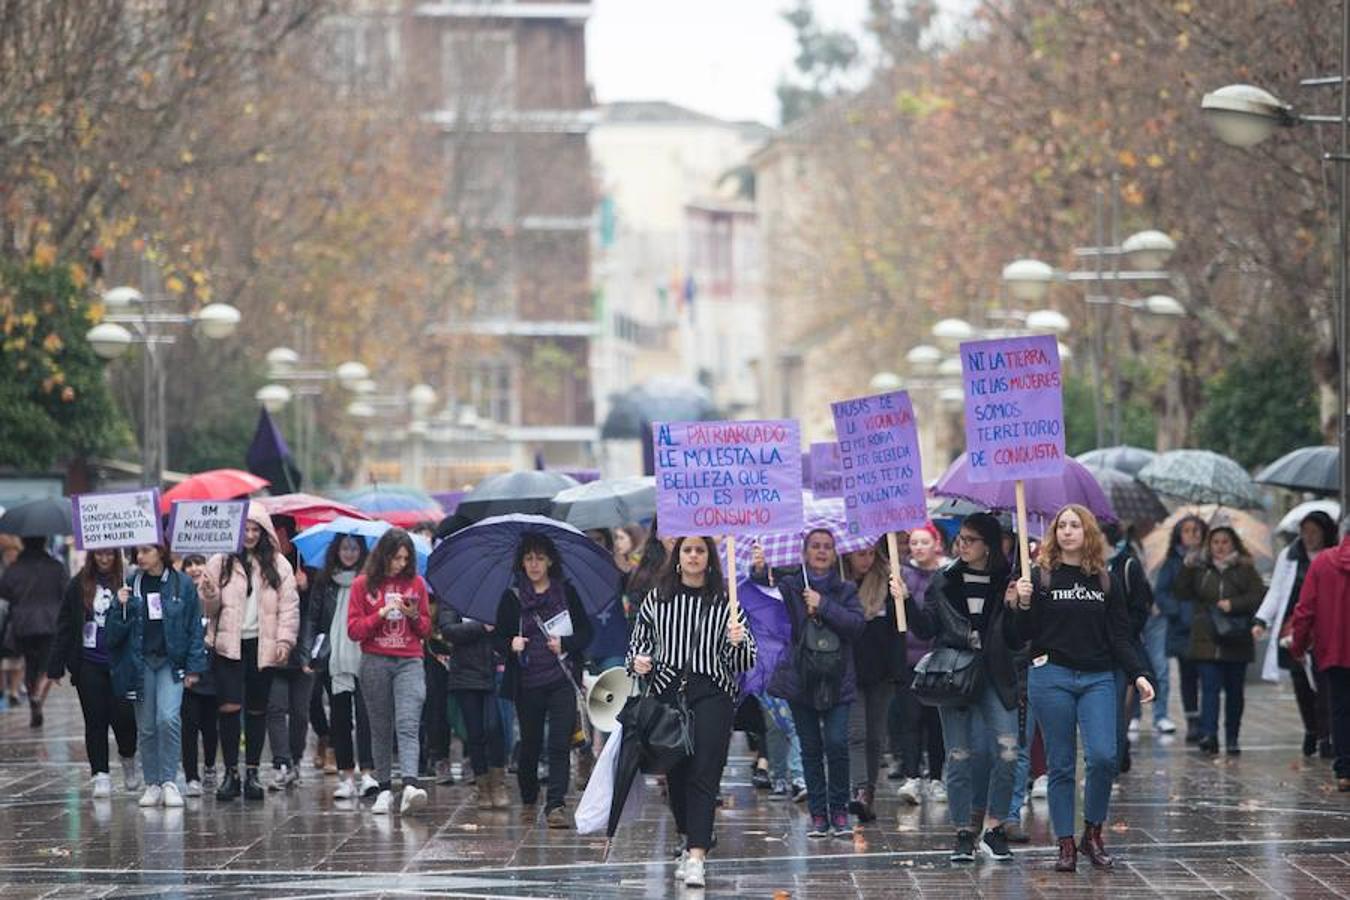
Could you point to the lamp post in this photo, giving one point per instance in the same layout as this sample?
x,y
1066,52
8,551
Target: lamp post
x,y
133,321
1244,115
418,401
286,367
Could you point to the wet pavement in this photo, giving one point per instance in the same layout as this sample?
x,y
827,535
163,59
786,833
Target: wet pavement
x,y
1265,824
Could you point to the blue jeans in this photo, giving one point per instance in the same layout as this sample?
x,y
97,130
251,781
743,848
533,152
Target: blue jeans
x,y
782,748
1155,647
159,726
1067,703
969,733
824,740
1227,677
1023,769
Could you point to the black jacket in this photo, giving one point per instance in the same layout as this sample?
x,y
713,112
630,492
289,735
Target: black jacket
x,y
34,585
943,619
473,657
508,627
68,645
304,635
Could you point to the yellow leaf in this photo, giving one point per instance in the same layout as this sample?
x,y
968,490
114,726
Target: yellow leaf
x,y
1127,159
174,284
44,255
1155,161
186,156
78,275
1183,41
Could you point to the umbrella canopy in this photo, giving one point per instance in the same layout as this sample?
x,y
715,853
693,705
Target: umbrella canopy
x,y
473,567
784,548
660,399
308,509
1289,524
769,623
1045,496
1313,469
530,493
1132,500
1254,533
608,503
216,484
43,517
387,497
313,542
1202,476
1123,458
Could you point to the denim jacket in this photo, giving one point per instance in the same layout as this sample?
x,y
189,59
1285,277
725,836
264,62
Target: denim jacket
x,y
183,633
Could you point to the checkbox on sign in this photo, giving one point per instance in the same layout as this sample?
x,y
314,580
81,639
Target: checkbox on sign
x,y
848,462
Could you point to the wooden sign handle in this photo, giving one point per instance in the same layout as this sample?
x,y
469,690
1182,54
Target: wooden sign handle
x,y
733,605
1023,547
893,547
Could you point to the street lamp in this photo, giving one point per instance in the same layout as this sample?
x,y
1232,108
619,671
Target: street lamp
x,y
132,321
287,365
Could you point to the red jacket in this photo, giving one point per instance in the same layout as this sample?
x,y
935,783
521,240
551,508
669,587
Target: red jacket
x,y
401,636
1322,615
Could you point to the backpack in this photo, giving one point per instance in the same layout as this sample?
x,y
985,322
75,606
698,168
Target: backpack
x,y
820,664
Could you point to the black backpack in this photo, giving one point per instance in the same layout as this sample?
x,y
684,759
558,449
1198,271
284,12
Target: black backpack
x,y
820,664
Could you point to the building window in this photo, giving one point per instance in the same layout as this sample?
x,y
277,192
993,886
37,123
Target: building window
x,y
364,53
478,71
492,389
483,173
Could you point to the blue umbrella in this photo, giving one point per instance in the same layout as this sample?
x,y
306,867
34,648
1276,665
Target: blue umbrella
x,y
390,498
473,567
313,543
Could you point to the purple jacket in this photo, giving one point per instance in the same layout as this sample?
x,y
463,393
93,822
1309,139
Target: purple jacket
x,y
839,609
916,582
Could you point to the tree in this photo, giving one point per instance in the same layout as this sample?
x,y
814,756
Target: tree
x,y
54,403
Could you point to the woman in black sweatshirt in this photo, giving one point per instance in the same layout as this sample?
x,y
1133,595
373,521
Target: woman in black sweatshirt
x,y
1076,619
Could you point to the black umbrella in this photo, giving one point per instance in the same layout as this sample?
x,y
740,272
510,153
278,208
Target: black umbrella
x,y
1123,458
529,492
1313,469
38,518
632,412
607,503
1132,500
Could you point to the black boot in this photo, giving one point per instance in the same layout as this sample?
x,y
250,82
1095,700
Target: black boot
x,y
229,785
1310,745
34,713
253,789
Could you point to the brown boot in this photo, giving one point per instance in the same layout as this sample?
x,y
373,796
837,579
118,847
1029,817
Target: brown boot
x,y
501,797
557,818
1068,856
481,797
1091,846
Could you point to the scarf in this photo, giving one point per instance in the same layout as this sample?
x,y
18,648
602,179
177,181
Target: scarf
x,y
344,655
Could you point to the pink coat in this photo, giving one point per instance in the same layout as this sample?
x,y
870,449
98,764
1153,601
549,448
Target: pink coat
x,y
278,608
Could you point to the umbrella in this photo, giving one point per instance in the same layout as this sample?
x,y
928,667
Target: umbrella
x,y
662,399
530,492
1132,500
216,484
1313,469
473,567
308,509
1202,476
1045,496
313,542
1254,533
773,632
784,548
1123,458
1289,524
387,497
608,503
38,518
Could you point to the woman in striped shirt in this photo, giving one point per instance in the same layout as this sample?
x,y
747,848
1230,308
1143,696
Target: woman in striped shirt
x,y
684,639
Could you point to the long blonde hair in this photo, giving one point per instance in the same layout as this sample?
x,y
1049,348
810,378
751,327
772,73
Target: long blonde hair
x,y
1094,542
875,586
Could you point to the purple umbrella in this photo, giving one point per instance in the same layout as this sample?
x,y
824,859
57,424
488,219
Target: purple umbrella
x,y
773,633
1045,496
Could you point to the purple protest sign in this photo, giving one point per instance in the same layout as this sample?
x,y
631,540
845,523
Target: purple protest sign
x,y
826,477
737,478
879,457
1014,408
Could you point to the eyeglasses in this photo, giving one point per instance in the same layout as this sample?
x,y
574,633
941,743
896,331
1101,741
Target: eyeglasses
x,y
967,539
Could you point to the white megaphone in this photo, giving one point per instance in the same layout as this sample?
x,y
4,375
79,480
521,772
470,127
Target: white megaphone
x,y
606,694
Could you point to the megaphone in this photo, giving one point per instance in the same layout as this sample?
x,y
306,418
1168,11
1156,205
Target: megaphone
x,y
606,694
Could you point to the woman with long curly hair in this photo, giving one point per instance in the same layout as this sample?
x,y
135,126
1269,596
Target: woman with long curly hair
x,y
1076,619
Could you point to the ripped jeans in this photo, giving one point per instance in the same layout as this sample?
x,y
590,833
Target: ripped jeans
x,y
967,727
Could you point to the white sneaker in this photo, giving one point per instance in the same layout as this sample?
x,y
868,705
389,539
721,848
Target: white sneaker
x,y
193,789
937,790
911,791
1165,726
102,786
152,797
1133,727
1040,787
369,786
383,803
278,780
346,790
682,865
131,776
413,799
172,799
693,873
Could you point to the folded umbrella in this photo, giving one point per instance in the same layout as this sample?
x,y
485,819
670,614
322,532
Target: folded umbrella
x,y
313,542
1045,496
769,624
216,484
473,567
308,509
1313,469
530,493
608,503
43,517
1202,476
1132,500
1122,458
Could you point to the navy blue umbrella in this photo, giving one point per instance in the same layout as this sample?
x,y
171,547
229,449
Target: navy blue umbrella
x,y
473,567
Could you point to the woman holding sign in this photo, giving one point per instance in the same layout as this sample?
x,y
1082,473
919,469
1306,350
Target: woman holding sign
x,y
817,678
686,640
1076,618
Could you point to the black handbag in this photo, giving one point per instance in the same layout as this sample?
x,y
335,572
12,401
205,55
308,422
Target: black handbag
x,y
664,730
948,677
1230,629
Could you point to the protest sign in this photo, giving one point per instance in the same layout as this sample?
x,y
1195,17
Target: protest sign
x,y
118,519
879,457
207,526
1014,408
826,477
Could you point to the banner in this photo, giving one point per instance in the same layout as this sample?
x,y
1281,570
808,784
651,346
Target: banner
x,y
1014,408
207,526
113,520
740,478
879,457
826,478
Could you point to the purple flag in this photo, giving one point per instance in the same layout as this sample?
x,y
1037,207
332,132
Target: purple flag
x,y
269,457
1014,408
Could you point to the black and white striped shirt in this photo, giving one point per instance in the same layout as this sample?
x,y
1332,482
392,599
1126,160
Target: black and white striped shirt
x,y
665,631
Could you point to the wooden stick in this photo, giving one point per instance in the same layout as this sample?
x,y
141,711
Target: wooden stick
x,y
893,546
1023,547
733,605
